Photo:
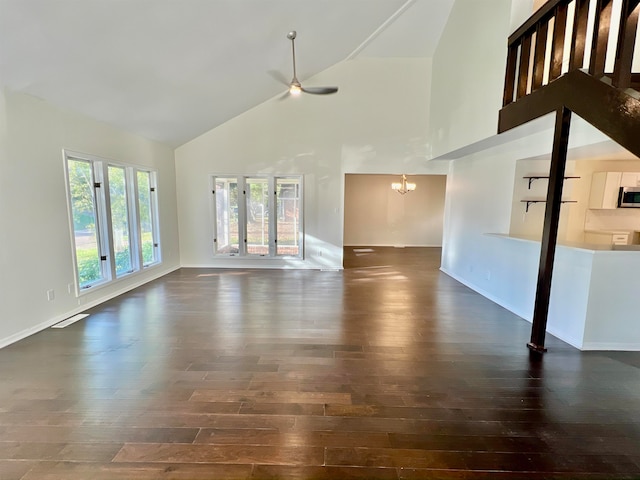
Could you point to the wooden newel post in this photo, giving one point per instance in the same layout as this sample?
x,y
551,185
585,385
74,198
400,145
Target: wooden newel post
x,y
550,230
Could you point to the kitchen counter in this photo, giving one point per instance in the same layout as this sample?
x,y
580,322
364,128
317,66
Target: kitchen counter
x,y
594,300
612,232
562,243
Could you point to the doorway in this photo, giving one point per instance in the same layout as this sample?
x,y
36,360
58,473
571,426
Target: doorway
x,y
376,215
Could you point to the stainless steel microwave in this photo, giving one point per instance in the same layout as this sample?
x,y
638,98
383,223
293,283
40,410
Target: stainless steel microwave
x,y
629,197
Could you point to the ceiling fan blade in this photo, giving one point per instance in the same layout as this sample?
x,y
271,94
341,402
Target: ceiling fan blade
x,y
284,96
278,77
319,90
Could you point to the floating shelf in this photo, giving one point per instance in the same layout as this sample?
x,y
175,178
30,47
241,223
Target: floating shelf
x,y
531,202
531,178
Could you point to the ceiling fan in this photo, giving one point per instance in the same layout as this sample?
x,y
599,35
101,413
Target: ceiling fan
x,y
295,88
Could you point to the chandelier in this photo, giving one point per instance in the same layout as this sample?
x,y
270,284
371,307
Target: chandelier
x,y
403,186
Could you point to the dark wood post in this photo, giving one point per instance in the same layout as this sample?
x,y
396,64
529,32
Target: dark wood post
x,y
510,75
557,47
626,43
539,55
600,39
550,230
523,68
579,35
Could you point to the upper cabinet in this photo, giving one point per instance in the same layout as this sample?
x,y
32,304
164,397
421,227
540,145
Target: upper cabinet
x,y
605,187
630,179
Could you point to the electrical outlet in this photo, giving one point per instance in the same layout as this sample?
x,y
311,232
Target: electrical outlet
x,y
51,294
319,252
488,274
71,287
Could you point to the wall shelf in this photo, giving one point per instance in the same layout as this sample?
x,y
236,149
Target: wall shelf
x,y
531,202
531,178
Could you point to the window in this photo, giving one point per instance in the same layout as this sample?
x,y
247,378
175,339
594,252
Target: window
x,y
226,190
257,198
113,217
119,206
288,197
257,216
148,214
90,268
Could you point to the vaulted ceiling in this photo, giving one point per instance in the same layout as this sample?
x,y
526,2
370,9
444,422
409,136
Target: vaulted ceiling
x,y
170,70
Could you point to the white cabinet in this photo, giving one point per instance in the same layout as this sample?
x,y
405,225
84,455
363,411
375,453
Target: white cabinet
x,y
630,179
620,239
605,187
608,238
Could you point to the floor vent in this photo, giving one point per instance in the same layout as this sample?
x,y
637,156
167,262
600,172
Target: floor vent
x,y
70,320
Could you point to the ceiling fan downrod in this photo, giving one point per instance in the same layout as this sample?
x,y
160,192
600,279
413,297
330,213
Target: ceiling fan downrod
x,y
295,88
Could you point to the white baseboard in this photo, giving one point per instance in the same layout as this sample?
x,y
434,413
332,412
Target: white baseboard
x,y
522,314
629,347
16,337
574,342
559,334
395,245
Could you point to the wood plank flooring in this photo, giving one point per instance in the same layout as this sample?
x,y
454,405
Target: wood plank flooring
x,y
387,370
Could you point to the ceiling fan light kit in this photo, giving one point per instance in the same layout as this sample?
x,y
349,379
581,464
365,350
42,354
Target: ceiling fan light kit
x,y
295,88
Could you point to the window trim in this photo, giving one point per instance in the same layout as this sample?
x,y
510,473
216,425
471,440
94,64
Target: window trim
x,y
102,210
131,221
153,213
271,239
242,216
300,209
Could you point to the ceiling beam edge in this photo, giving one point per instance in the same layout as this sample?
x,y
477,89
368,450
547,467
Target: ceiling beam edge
x,y
380,29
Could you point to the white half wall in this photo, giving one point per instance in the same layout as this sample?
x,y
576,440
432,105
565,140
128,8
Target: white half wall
x,y
614,303
36,254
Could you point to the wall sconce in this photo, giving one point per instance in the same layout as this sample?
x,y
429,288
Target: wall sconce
x,y
404,186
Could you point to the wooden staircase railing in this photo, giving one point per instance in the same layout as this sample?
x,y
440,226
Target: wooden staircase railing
x,y
555,40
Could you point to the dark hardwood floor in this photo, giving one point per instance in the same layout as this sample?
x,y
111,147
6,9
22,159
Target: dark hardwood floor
x,y
387,370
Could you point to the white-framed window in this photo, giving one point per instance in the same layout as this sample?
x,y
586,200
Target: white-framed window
x,y
257,215
113,216
149,233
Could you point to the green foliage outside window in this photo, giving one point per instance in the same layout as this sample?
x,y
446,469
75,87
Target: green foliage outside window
x,y
89,261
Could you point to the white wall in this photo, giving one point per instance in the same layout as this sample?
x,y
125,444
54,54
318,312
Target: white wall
x,y
530,223
468,74
479,202
376,123
36,253
612,318
376,215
